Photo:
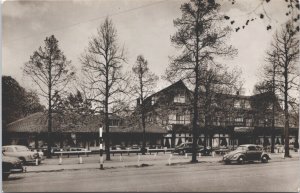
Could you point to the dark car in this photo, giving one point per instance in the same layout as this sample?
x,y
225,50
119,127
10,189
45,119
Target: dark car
x,y
187,148
11,165
44,149
76,149
118,147
247,152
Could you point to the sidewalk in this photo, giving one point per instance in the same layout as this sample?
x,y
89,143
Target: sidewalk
x,y
117,161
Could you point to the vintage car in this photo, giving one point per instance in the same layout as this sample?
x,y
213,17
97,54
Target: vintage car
x,y
247,152
44,149
10,165
187,148
21,152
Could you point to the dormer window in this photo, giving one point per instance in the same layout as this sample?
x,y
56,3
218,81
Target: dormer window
x,y
153,100
247,104
179,97
237,104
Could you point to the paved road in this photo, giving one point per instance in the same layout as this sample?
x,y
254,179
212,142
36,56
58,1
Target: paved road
x,y
211,177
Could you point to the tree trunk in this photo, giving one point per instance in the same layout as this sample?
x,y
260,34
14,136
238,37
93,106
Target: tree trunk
x,y
36,141
273,111
195,107
286,114
107,134
144,128
49,141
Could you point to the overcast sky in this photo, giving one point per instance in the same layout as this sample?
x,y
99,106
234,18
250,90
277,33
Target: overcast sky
x,y
144,27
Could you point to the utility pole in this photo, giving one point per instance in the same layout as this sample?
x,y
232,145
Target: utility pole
x,y
101,148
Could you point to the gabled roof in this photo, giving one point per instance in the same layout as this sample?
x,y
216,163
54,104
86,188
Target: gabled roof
x,y
37,123
177,84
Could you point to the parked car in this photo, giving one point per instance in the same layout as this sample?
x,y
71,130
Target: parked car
x,y
247,152
222,150
187,148
10,165
44,149
135,146
76,149
21,152
118,147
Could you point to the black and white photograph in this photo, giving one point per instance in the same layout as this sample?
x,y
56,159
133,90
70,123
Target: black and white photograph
x,y
150,95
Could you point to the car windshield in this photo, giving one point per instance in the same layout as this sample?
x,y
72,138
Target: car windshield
x,y
181,145
21,148
240,148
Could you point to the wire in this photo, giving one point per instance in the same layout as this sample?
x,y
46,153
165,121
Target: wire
x,y
93,19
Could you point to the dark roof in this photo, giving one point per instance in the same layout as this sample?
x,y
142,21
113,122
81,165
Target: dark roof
x,y
176,84
37,123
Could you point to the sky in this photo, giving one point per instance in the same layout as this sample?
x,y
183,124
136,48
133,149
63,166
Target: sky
x,y
143,26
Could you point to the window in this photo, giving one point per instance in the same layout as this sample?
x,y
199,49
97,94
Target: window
x,y
179,118
21,148
179,98
247,104
261,123
249,122
153,100
216,121
113,122
237,104
252,148
9,149
239,121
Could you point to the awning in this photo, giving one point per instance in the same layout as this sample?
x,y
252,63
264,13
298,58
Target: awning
x,y
243,129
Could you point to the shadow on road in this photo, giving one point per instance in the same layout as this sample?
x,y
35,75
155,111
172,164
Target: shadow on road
x,y
11,178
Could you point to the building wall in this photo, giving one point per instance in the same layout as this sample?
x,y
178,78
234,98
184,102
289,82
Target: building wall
x,y
171,107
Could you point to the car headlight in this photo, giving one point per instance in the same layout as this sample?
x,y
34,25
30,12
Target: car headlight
x,y
235,156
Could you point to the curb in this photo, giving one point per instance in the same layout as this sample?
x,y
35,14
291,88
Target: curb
x,y
186,162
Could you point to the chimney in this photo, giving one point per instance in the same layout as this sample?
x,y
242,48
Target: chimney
x,y
138,102
237,92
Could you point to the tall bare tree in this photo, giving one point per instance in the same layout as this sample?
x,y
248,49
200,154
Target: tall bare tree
x,y
286,45
216,81
269,83
199,39
102,66
144,82
51,72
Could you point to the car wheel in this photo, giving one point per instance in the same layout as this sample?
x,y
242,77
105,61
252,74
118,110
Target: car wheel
x,y
23,160
264,159
182,152
241,160
227,162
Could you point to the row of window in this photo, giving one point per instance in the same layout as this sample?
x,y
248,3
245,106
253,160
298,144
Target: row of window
x,y
185,118
181,98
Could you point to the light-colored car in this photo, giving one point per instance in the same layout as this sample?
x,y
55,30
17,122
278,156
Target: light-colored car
x,y
247,152
21,152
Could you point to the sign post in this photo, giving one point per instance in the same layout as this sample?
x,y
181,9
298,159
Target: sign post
x,y
101,148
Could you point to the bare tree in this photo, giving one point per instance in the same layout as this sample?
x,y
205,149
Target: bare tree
x,y
102,67
261,12
216,81
51,72
200,39
286,45
144,82
269,83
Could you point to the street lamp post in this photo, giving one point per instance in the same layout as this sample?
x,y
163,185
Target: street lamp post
x,y
101,148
